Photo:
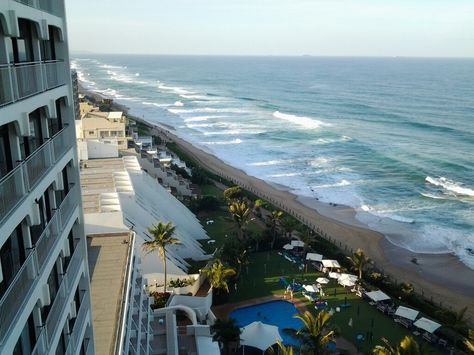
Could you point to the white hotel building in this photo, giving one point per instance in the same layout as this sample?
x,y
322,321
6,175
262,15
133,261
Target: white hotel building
x,y
45,303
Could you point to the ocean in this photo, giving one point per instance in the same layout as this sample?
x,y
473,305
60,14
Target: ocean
x,y
391,137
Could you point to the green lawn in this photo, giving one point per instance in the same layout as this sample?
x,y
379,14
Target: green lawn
x,y
261,279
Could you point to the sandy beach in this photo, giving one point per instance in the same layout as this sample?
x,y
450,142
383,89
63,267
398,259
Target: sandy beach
x,y
442,278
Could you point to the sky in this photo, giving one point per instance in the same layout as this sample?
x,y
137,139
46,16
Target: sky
x,y
420,28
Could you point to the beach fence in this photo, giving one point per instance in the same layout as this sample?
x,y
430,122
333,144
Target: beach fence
x,y
343,247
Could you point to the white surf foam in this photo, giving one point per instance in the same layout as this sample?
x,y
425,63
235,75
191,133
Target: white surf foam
x,y
306,122
176,89
398,218
337,184
449,185
207,110
178,104
235,141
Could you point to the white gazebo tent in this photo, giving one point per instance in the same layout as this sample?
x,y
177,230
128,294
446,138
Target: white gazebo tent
x,y
330,264
287,247
346,282
259,335
427,325
377,296
334,275
314,257
297,244
407,313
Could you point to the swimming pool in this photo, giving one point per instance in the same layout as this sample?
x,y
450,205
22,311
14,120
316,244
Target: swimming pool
x,y
278,313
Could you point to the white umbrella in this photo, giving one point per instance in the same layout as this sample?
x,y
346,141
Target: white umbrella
x,y
328,263
407,313
287,247
334,275
427,324
309,288
322,280
260,335
345,282
350,277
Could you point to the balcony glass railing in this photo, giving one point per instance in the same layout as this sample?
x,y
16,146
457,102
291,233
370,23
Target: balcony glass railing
x,y
52,323
16,185
6,96
74,341
21,80
25,280
51,6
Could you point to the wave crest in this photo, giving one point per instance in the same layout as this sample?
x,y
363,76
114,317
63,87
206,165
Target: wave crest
x,y
303,121
451,186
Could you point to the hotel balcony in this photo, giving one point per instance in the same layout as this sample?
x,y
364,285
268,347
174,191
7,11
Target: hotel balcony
x,y
53,322
15,186
79,326
19,81
34,268
51,6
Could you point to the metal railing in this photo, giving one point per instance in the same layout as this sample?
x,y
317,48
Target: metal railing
x,y
65,290
51,6
21,80
53,73
74,340
28,79
6,96
25,280
16,184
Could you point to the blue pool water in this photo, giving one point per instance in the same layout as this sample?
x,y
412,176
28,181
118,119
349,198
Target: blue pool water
x,y
278,313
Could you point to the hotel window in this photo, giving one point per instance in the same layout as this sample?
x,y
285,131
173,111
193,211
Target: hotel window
x,y
6,163
27,340
45,214
53,285
35,139
56,124
48,50
12,257
91,133
20,49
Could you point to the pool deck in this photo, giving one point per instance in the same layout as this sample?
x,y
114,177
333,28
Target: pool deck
x,y
224,310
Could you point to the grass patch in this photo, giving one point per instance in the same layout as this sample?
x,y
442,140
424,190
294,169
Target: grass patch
x,y
260,281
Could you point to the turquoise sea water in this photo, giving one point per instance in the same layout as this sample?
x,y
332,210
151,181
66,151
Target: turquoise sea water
x,y
390,137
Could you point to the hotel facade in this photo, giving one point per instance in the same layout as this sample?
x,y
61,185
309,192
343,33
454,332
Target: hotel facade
x,y
45,302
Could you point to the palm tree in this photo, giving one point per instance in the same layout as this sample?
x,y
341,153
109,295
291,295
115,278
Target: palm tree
x,y
225,331
282,349
470,342
359,261
407,346
289,224
241,216
162,237
316,332
274,220
218,275
407,289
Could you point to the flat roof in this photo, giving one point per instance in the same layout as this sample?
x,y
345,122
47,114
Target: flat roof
x,y
108,256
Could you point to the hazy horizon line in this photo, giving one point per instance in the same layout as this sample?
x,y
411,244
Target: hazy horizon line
x,y
271,55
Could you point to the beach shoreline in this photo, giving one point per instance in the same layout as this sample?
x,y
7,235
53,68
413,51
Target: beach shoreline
x,y
440,277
